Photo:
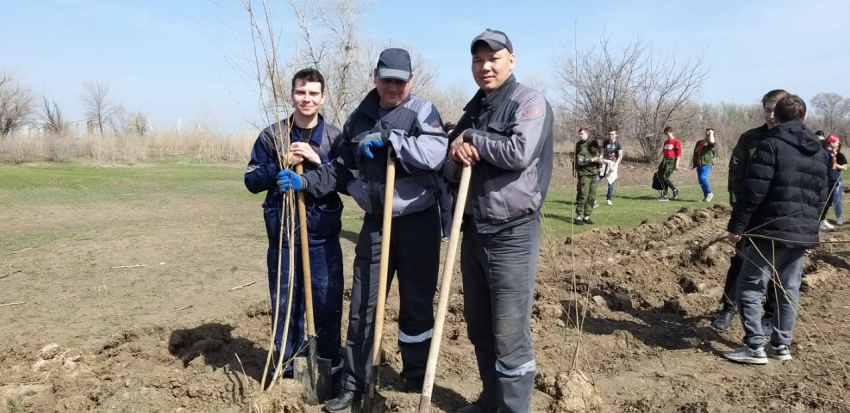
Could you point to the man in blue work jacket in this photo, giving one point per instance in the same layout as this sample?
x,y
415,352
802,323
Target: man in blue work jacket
x,y
312,143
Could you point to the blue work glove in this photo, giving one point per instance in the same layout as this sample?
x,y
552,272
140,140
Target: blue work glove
x,y
369,142
287,179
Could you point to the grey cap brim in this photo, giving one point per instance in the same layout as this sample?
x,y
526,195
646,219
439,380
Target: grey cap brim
x,y
494,45
387,73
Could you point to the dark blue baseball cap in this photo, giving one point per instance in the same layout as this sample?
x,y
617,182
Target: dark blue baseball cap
x,y
495,39
394,63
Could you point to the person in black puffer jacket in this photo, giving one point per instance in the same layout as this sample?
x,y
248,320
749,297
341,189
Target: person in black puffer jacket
x,y
778,214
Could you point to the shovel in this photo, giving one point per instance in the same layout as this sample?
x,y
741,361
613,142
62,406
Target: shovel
x,y
313,372
445,288
374,402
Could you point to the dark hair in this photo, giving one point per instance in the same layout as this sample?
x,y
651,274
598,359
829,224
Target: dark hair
x,y
709,129
448,127
309,75
819,133
612,129
580,130
789,108
668,130
773,96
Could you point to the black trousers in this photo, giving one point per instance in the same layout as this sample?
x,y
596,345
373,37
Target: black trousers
x,y
415,258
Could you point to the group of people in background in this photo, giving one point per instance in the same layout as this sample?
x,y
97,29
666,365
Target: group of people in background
x,y
593,157
595,160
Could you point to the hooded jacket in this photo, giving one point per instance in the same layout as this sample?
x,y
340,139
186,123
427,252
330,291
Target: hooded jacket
x,y
785,188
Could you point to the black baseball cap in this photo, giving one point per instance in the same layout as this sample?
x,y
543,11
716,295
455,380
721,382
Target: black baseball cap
x,y
394,63
495,39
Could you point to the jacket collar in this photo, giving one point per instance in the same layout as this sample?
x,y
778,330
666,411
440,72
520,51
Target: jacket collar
x,y
315,135
484,101
372,102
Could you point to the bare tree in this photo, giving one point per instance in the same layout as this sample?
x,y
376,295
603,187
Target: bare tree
x,y
661,94
330,42
449,101
17,103
51,117
833,110
596,85
729,121
97,104
137,123
630,89
536,81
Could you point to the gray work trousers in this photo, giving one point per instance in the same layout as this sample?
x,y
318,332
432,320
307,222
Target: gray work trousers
x,y
498,289
760,260
415,257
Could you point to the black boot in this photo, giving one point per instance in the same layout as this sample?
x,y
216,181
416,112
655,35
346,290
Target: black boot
x,y
414,384
344,401
724,319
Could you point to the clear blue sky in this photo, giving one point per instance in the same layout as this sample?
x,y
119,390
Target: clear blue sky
x,y
164,57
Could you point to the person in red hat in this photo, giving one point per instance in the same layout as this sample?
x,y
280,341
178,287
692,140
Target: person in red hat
x,y
838,163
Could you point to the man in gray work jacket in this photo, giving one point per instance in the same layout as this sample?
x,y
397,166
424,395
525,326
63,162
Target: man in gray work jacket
x,y
389,116
506,133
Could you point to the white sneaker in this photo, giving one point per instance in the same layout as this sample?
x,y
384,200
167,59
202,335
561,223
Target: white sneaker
x,y
839,221
709,197
609,202
747,355
826,226
781,353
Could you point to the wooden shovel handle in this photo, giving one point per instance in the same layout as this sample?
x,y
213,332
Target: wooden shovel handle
x,y
445,289
305,258
386,233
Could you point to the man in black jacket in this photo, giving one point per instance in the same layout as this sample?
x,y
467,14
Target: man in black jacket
x,y
786,189
506,133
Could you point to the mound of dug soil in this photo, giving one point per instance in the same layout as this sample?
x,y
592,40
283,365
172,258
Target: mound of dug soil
x,y
621,323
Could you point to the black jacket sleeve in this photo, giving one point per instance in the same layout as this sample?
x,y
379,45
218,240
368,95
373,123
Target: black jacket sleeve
x,y
756,187
335,175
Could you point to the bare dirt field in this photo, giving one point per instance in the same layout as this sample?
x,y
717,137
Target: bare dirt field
x,y
127,307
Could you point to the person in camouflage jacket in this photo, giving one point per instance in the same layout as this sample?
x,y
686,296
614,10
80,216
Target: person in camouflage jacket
x,y
738,165
586,168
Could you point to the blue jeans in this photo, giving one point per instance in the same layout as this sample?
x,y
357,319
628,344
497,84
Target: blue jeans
x,y
610,195
702,177
836,198
760,261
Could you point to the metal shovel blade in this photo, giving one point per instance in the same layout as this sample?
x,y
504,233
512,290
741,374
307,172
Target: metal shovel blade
x,y
314,373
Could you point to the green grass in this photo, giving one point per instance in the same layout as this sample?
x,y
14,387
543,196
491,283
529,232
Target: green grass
x,y
80,184
97,189
632,205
